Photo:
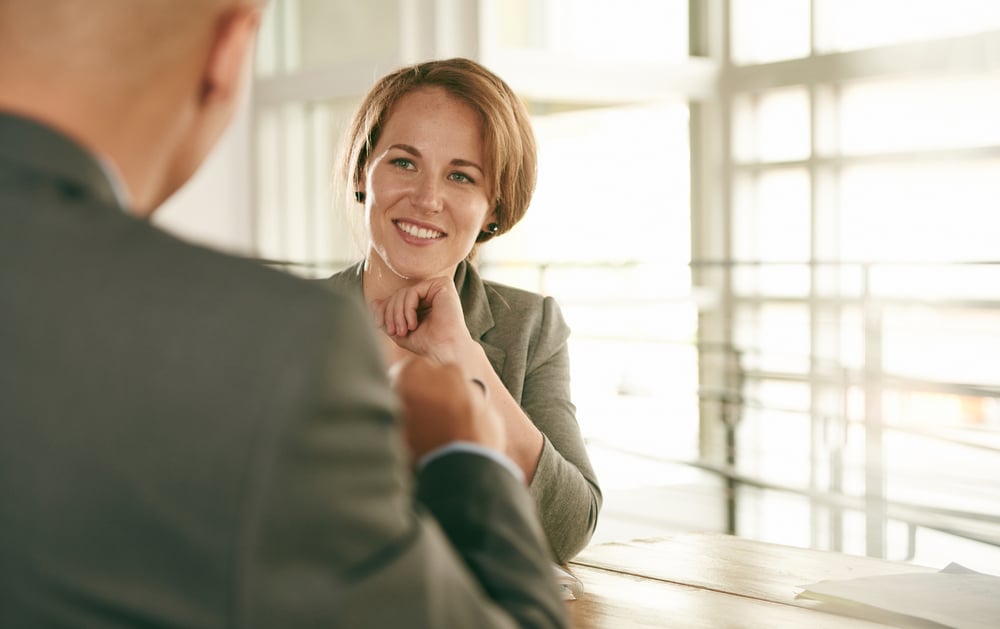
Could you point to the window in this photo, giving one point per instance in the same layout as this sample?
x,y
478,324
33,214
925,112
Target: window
x,y
853,250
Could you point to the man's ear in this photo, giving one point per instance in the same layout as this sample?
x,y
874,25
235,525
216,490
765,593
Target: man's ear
x,y
232,47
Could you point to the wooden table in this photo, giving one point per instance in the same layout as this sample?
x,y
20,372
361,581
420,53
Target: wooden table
x,y
713,580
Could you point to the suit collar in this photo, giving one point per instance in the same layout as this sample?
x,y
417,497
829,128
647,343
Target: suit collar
x,y
34,148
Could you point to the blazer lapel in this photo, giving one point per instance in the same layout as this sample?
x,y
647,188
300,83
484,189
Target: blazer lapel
x,y
478,315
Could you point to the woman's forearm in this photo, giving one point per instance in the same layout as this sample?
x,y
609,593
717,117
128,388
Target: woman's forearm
x,y
524,440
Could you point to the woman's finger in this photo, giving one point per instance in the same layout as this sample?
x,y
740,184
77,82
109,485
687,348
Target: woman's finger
x,y
411,302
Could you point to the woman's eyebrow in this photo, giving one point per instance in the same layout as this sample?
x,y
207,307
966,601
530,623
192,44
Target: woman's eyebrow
x,y
467,163
412,150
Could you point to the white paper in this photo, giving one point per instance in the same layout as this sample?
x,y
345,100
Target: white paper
x,y
954,597
569,585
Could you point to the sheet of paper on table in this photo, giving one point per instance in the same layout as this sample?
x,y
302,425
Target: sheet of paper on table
x,y
569,585
954,597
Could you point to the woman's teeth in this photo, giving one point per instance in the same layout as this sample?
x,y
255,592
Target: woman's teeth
x,y
418,232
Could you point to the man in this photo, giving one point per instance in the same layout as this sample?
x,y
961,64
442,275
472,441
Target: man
x,y
189,440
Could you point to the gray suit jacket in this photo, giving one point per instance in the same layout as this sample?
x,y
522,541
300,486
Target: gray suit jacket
x,y
191,440
525,338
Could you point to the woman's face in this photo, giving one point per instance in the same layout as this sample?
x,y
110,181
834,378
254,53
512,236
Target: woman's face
x,y
426,194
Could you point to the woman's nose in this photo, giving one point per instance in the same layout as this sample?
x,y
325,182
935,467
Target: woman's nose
x,y
427,195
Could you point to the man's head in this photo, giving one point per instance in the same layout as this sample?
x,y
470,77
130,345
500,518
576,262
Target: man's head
x,y
149,85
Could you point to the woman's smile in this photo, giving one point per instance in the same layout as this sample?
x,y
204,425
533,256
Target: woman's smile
x,y
416,232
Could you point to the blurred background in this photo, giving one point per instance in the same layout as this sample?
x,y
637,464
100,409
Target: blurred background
x,y
773,226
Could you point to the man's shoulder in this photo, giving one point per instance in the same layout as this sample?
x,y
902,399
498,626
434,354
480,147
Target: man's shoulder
x,y
212,284
227,274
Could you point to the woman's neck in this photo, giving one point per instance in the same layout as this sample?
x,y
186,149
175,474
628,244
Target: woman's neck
x,y
379,281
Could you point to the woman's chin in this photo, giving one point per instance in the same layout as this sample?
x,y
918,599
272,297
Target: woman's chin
x,y
414,271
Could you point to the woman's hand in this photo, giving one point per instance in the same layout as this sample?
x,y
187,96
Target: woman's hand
x,y
425,318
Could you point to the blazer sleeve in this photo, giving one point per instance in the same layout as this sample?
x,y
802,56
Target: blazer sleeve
x,y
335,538
564,485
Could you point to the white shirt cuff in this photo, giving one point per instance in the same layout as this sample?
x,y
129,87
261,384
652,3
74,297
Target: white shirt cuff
x,y
472,448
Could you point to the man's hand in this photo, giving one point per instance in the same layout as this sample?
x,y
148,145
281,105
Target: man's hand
x,y
441,404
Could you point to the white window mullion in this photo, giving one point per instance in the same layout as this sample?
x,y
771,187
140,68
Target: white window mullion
x,y
417,30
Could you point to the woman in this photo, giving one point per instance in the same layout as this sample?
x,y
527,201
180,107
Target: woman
x,y
442,157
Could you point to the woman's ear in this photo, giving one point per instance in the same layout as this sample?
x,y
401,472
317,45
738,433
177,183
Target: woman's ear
x,y
491,223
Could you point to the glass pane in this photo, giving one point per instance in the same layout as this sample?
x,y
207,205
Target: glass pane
x,y
768,30
773,444
935,548
929,211
772,280
771,219
303,34
920,114
936,281
773,516
852,338
771,126
952,414
774,337
651,30
268,136
853,24
954,481
296,219
941,345
598,200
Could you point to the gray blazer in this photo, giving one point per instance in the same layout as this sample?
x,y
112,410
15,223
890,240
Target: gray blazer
x,y
524,337
191,440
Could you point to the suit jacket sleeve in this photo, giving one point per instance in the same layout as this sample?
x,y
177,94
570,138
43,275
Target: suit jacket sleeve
x,y
564,484
333,535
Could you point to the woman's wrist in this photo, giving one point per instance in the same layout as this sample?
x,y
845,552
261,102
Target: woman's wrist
x,y
464,352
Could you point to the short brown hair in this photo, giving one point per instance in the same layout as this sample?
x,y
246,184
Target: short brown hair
x,y
508,140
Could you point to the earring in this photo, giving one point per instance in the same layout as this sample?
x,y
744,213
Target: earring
x,y
360,196
493,228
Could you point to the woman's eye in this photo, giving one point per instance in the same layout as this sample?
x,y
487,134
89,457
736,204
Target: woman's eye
x,y
461,178
402,162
